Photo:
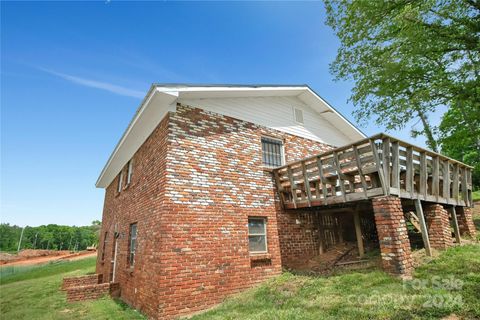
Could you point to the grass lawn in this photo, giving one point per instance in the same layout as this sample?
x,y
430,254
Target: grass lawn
x,y
476,195
366,295
33,293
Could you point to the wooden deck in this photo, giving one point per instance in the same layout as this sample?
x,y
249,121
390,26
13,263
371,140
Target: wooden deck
x,y
375,166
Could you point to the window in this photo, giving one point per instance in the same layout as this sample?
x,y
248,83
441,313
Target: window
x,y
272,152
257,235
104,244
132,244
120,181
298,113
130,171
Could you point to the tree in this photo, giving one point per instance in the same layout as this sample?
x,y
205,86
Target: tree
x,y
52,236
457,139
407,58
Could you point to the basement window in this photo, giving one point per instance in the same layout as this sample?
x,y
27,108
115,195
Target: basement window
x,y
272,152
132,244
257,235
129,171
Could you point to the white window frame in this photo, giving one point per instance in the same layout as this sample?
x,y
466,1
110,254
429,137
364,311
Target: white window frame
x,y
295,116
132,249
282,150
104,245
120,181
264,219
129,171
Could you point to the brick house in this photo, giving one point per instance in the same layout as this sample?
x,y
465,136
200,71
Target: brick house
x,y
212,189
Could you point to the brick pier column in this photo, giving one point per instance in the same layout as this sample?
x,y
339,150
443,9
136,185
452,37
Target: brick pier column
x,y
438,226
465,221
392,235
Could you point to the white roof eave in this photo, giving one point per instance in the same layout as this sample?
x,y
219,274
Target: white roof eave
x,y
159,98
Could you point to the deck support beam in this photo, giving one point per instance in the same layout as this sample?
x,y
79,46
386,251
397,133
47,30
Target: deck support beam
x,y
423,227
358,232
456,229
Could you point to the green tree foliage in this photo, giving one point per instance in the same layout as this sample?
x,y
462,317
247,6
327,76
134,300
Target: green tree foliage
x,y
407,60
457,140
52,237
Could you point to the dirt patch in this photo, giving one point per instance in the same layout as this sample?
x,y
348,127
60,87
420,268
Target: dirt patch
x,y
29,256
290,288
337,257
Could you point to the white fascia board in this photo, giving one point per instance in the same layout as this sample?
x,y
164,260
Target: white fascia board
x,y
330,114
153,109
233,92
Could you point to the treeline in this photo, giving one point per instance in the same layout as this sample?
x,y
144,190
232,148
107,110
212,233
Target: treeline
x,y
49,237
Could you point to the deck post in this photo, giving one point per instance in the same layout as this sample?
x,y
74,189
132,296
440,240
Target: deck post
x,y
385,188
358,232
456,229
321,231
423,226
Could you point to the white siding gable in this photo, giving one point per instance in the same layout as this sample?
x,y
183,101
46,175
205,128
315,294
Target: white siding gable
x,y
276,113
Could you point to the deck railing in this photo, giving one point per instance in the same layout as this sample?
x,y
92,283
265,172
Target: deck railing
x,y
378,165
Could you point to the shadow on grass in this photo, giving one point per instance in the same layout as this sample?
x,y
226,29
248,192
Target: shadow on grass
x,y
121,304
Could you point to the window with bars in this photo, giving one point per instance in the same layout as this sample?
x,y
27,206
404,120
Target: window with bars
x,y
257,235
132,244
272,152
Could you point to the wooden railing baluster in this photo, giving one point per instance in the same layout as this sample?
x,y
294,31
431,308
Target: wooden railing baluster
x,y
386,161
360,171
339,176
322,177
386,190
464,187
455,182
410,174
393,167
306,184
446,180
293,187
436,177
423,175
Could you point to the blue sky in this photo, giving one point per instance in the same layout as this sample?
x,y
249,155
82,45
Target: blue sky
x,y
73,74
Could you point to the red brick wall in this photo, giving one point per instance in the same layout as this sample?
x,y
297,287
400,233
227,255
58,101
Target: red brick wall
x,y
438,226
392,235
141,202
87,292
465,221
81,281
299,236
196,181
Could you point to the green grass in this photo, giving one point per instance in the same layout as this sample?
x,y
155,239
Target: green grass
x,y
9,274
34,293
476,195
367,295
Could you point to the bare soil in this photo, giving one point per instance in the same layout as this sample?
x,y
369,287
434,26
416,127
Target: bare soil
x,y
29,256
329,261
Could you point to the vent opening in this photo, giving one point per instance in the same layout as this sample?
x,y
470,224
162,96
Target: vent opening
x,y
298,115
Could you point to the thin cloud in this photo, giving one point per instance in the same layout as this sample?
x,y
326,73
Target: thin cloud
x,y
97,84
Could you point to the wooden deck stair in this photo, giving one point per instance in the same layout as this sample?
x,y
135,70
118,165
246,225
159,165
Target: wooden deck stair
x,y
375,166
